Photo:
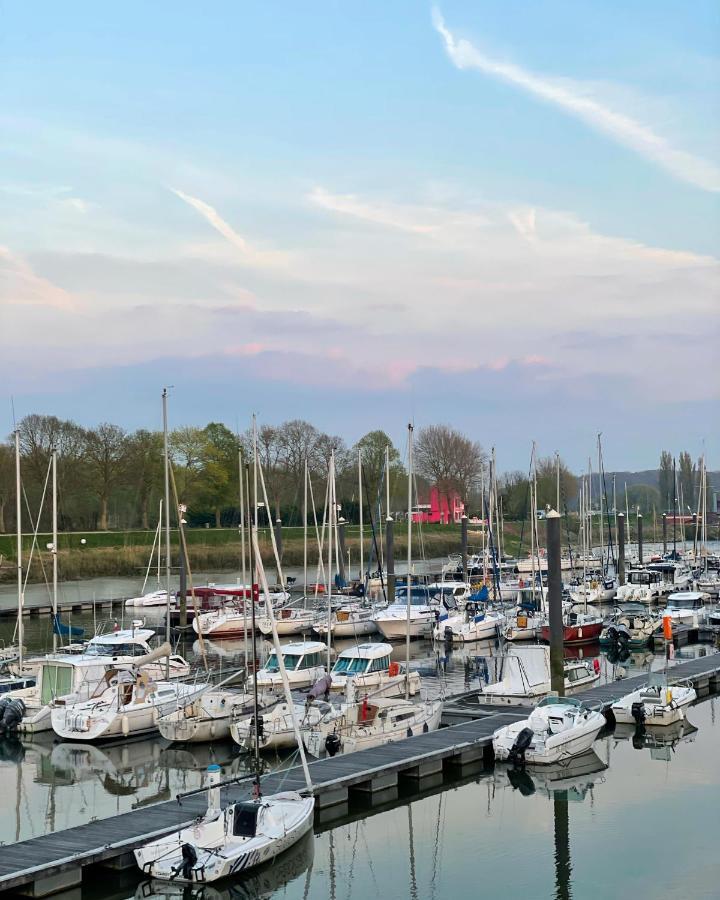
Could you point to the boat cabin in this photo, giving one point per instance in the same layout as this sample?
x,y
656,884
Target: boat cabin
x,y
299,656
685,600
123,642
363,659
644,577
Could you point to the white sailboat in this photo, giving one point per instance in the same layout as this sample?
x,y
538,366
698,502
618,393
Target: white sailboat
x,y
242,835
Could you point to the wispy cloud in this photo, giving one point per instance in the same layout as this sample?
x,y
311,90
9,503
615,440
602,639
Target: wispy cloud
x,y
22,286
572,97
248,254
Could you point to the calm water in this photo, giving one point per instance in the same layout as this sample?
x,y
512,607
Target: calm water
x,y
630,811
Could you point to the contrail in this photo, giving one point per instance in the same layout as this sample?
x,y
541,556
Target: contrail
x,y
622,128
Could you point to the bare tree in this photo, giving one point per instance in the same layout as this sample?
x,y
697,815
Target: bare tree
x,y
449,459
105,449
7,480
145,468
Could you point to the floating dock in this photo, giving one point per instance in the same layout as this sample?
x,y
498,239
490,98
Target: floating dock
x,y
45,865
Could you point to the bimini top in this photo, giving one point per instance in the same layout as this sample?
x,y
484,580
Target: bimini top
x,y
125,642
366,651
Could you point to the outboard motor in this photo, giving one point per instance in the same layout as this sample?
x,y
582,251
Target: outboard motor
x,y
4,703
332,744
189,855
12,714
522,742
448,634
637,711
612,634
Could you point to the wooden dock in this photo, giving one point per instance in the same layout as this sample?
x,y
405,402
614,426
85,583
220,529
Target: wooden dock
x,y
44,865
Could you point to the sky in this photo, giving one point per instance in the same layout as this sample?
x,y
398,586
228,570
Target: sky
x,y
502,216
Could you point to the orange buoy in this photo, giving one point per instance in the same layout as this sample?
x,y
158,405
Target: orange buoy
x,y
667,628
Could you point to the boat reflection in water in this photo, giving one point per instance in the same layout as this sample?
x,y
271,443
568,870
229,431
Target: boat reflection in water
x,y
576,777
662,742
262,882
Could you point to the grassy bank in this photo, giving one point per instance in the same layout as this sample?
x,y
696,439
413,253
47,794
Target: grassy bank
x,y
215,550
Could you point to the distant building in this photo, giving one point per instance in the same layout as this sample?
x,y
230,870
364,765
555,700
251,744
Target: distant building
x,y
444,508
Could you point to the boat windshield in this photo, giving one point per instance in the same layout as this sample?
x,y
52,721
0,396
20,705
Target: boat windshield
x,y
560,701
351,666
419,596
95,648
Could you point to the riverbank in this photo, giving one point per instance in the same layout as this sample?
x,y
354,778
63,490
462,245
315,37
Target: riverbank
x,y
97,554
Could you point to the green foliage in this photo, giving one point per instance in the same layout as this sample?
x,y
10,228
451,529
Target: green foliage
x,y
665,480
645,497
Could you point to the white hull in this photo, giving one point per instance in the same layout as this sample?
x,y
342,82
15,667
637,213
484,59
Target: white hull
x,y
462,632
219,852
549,746
397,629
658,712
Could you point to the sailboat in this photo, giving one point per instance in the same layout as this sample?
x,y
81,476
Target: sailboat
x,y
243,834
158,597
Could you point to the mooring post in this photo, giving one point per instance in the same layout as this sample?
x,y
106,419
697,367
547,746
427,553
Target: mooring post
x,y
342,551
554,599
664,521
390,559
621,548
464,545
183,587
640,537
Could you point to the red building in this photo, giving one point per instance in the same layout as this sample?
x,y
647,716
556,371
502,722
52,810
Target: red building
x,y
443,508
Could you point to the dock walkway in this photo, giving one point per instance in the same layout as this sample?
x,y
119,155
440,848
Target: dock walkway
x,y
50,863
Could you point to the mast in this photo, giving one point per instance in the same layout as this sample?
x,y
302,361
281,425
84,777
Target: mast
x,y
601,485
331,510
54,546
18,514
305,532
409,561
590,540
674,510
360,500
167,524
253,580
241,486
557,463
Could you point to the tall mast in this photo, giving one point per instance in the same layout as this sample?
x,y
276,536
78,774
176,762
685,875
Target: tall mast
x,y
241,487
331,511
254,519
305,531
600,493
18,515
167,524
590,540
409,560
557,463
674,510
387,481
54,545
253,566
360,501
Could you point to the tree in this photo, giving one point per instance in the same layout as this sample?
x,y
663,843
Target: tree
x,y
145,468
643,496
665,480
547,483
515,492
219,482
105,449
7,480
448,459
187,450
686,482
372,448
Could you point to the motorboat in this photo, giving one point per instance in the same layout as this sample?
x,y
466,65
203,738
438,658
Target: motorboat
x,y
632,626
304,664
371,723
594,590
205,718
686,608
125,645
153,598
582,624
371,668
524,677
128,701
228,841
557,729
526,620
643,586
395,622
480,624
458,590
289,620
656,703
69,678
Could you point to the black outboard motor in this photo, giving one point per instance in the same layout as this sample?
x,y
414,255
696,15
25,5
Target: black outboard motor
x,y
12,714
4,703
522,742
332,744
612,634
189,855
637,711
448,634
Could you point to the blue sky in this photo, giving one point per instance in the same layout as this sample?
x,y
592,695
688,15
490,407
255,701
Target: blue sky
x,y
499,215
